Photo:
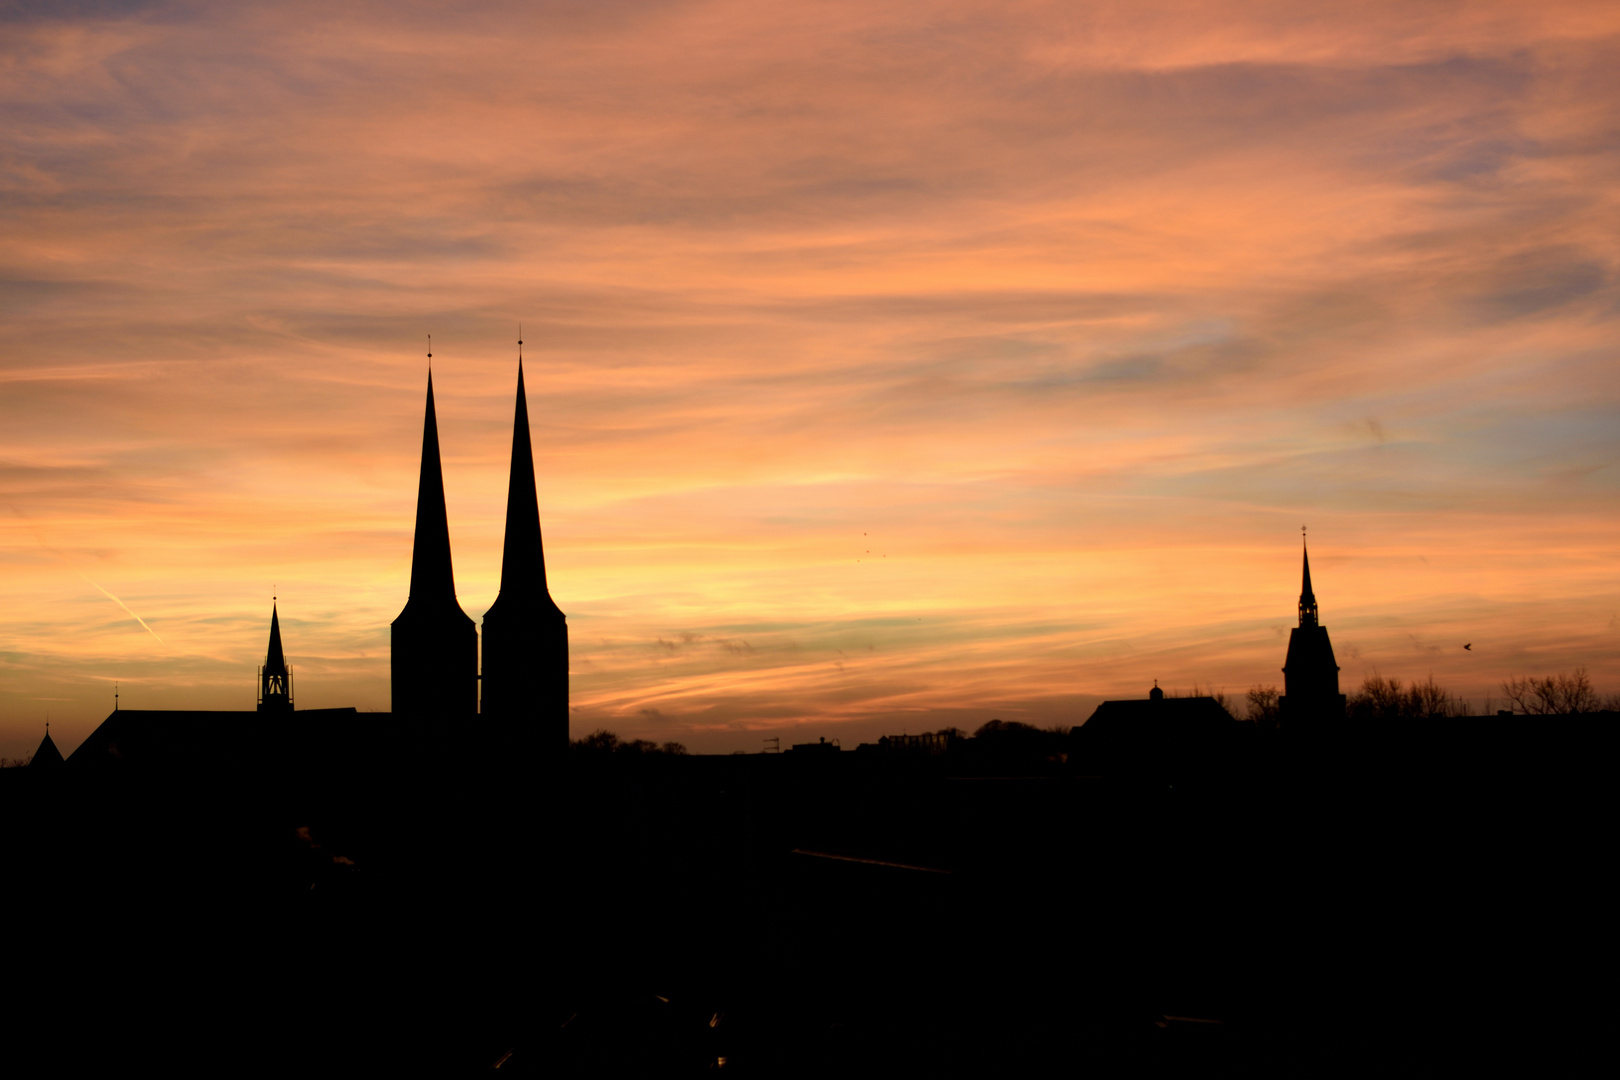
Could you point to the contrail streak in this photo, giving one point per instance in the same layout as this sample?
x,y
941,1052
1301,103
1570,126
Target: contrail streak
x,y
60,554
132,615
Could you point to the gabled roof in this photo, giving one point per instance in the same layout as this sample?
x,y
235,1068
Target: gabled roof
x,y
218,741
1159,714
1160,735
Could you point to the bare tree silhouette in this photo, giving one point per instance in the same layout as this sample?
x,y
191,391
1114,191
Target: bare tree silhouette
x,y
1565,692
1382,700
1264,711
603,741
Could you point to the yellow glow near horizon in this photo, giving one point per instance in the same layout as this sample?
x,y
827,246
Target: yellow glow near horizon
x,y
1069,317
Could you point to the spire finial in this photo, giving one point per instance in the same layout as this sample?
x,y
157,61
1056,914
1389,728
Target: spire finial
x,y
115,695
520,344
430,352
1308,615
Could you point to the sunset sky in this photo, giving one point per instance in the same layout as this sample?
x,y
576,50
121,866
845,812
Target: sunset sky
x,y
890,365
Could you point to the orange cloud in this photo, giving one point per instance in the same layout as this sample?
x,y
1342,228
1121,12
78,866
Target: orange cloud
x,y
957,360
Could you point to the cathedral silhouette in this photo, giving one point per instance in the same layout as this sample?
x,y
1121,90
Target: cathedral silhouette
x,y
522,691
434,662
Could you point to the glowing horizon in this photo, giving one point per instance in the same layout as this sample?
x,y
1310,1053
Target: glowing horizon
x,y
1069,317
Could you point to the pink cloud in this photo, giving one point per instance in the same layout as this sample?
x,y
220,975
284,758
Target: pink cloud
x,y
1081,312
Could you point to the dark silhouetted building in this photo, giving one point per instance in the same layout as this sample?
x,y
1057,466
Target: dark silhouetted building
x,y
233,742
1310,674
216,743
434,653
275,677
928,744
47,757
1159,735
525,671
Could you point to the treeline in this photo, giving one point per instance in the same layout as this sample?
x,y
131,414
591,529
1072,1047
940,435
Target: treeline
x,y
1376,700
1554,694
1380,700
603,742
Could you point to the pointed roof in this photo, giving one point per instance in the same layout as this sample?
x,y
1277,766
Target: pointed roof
x,y
274,662
523,557
431,573
1307,598
47,756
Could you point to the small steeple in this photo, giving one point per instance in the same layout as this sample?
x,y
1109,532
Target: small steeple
x,y
275,677
47,756
1307,598
274,659
1310,695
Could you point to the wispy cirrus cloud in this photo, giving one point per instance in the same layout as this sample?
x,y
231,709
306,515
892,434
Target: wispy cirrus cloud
x,y
1012,341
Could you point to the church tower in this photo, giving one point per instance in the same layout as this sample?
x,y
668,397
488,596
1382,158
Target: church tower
x,y
1310,674
434,644
525,634
275,677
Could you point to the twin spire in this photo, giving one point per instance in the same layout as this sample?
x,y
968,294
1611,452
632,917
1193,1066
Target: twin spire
x,y
523,560
435,654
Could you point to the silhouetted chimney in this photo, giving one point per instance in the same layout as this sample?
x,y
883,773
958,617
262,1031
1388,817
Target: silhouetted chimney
x,y
275,677
525,633
434,650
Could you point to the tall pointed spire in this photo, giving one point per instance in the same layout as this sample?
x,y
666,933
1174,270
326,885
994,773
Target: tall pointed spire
x,y
523,556
431,572
1307,598
434,645
525,634
275,678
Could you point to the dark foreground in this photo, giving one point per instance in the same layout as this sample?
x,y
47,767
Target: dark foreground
x,y
1301,907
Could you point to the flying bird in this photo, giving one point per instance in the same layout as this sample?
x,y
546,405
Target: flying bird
x,y
1469,646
